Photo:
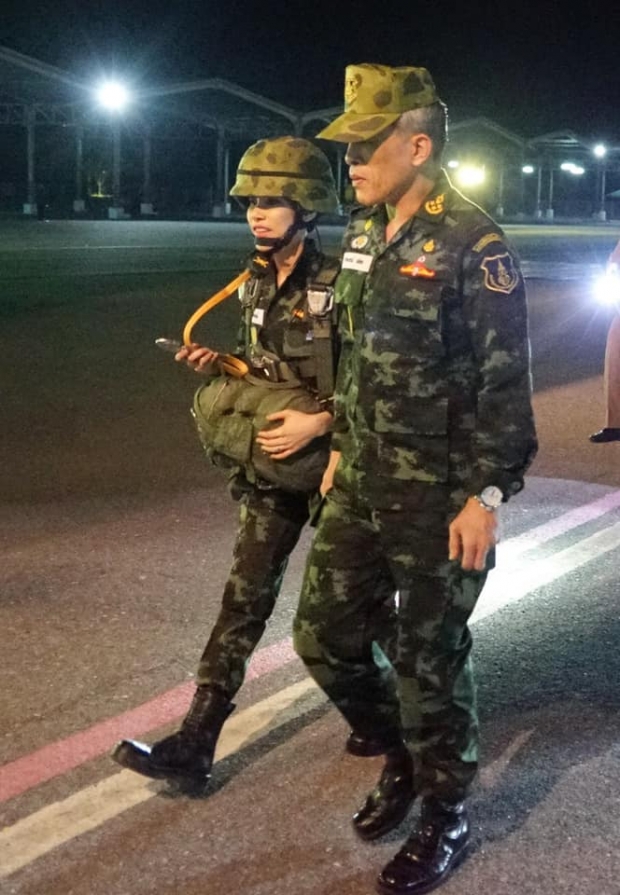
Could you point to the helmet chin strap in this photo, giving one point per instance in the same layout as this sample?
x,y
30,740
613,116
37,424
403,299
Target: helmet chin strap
x,y
273,244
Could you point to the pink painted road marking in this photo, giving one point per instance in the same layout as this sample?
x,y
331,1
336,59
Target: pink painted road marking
x,y
57,758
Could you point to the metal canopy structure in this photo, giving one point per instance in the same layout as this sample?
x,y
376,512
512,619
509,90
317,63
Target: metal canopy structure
x,y
34,94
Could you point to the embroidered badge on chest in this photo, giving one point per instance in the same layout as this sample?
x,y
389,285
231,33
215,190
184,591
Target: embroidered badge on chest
x,y
417,269
500,274
359,242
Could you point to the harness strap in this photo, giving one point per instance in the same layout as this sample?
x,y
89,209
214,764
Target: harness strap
x,y
320,299
228,363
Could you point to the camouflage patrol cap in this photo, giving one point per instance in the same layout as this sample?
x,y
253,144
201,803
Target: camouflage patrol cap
x,y
375,96
290,168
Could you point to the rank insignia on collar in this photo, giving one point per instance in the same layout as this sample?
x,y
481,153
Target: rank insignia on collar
x,y
500,274
429,246
359,242
436,205
417,269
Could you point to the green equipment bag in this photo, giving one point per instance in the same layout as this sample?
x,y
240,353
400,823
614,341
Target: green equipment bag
x,y
229,412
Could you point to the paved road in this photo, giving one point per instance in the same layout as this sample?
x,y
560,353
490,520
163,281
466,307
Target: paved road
x,y
116,541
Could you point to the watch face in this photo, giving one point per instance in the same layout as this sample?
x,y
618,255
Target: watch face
x,y
492,496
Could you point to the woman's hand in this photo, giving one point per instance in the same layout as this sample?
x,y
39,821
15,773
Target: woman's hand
x,y
297,429
196,356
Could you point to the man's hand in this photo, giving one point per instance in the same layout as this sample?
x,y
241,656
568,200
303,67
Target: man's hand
x,y
197,357
328,475
297,429
472,534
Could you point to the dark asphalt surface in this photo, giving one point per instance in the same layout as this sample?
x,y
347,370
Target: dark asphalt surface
x,y
116,539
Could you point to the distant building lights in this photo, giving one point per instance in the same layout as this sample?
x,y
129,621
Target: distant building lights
x,y
528,169
600,150
572,168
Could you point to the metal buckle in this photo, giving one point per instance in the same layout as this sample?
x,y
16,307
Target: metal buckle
x,y
320,300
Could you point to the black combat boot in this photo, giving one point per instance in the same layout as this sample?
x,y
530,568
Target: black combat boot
x,y
364,746
186,756
389,803
436,846
605,435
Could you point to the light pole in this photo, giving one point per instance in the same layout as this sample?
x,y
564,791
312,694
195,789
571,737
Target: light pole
x,y
572,168
549,213
600,152
114,97
530,169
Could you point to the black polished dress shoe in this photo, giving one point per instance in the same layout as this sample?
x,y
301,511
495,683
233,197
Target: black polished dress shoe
x,y
604,435
363,746
437,845
389,803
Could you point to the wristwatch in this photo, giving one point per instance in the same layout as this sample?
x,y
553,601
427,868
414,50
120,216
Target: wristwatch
x,y
490,498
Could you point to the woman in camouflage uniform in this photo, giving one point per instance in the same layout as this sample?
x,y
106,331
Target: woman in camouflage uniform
x,y
285,182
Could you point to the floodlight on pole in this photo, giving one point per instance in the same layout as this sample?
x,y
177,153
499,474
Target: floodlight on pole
x,y
113,96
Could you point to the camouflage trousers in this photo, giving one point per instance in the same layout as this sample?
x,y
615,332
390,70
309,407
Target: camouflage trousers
x,y
270,523
426,694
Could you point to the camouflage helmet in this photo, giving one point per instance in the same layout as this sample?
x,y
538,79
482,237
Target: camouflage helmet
x,y
290,168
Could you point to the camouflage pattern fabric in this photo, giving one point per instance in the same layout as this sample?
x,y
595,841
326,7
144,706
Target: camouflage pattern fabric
x,y
270,519
375,96
286,329
290,168
357,554
270,523
433,403
434,376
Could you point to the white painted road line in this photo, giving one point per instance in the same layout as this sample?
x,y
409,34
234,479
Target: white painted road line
x,y
509,585
46,829
89,808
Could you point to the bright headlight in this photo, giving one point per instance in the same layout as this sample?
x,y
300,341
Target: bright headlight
x,y
607,286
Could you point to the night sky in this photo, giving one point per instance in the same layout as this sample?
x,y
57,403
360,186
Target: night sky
x,y
532,67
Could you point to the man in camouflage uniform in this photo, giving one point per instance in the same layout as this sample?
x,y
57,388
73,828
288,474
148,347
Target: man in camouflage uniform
x,y
433,430
285,183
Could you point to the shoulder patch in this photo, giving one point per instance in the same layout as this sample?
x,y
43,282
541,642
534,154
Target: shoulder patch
x,y
487,240
500,274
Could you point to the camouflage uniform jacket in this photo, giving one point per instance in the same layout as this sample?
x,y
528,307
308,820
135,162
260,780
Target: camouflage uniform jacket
x,y
434,379
278,318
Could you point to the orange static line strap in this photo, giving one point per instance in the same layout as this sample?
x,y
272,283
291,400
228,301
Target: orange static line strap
x,y
211,303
